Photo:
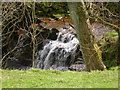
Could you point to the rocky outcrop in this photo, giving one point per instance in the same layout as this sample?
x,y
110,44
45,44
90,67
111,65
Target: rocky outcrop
x,y
58,48
58,54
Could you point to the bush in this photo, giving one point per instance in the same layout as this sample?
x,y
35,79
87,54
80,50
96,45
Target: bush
x,y
109,48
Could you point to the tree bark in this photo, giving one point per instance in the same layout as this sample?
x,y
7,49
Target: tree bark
x,y
90,50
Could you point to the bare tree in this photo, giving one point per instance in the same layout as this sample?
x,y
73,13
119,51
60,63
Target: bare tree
x,y
90,50
19,20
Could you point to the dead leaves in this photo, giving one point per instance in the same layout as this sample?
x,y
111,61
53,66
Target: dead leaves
x,y
33,26
50,23
56,23
21,32
46,20
66,19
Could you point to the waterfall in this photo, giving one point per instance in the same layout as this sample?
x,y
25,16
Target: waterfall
x,y
58,54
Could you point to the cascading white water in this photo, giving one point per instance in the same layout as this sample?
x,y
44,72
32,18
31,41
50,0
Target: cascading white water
x,y
58,54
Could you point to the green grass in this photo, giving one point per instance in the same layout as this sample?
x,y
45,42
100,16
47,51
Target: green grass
x,y
36,78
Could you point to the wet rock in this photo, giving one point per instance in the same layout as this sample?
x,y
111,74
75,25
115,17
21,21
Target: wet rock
x,y
78,67
58,54
57,51
53,67
16,64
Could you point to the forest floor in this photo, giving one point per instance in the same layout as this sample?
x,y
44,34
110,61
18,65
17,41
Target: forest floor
x,y
36,78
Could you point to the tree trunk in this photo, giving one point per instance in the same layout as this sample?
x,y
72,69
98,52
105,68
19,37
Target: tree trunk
x,y
90,50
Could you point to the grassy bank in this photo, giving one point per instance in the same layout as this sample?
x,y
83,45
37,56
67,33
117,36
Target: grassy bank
x,y
35,78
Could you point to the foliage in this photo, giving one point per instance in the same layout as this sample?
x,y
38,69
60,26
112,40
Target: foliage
x,y
35,78
89,48
52,10
109,48
18,17
108,14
